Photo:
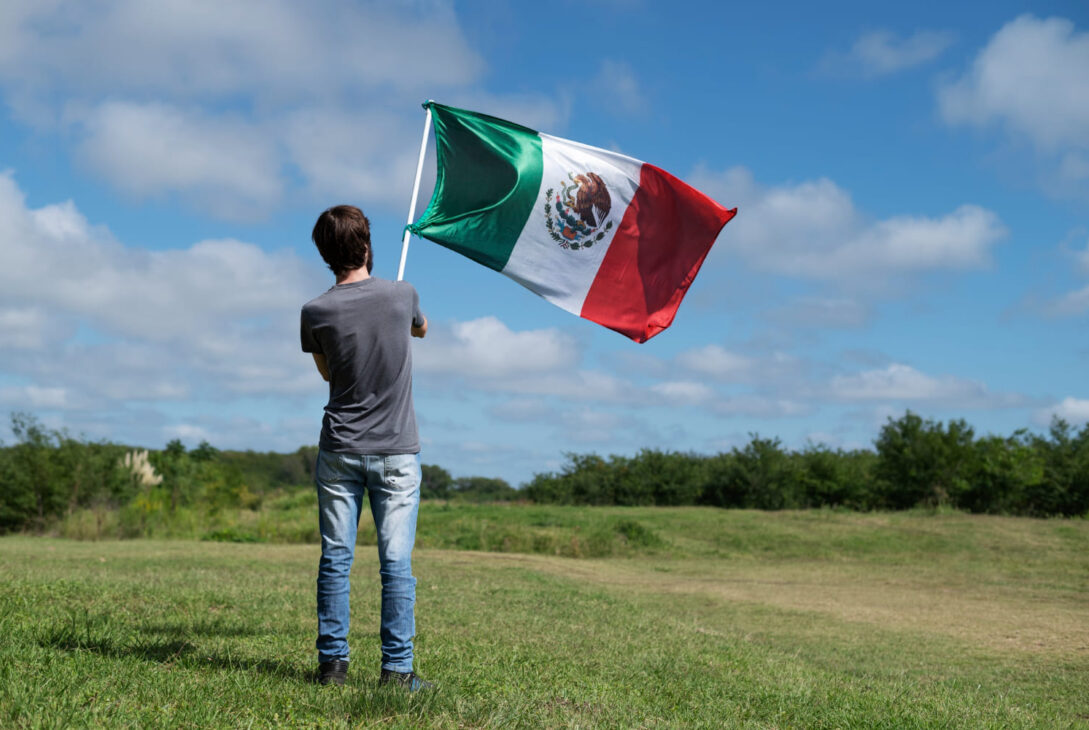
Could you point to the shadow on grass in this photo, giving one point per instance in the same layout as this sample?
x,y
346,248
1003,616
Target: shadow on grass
x,y
367,702
170,650
200,628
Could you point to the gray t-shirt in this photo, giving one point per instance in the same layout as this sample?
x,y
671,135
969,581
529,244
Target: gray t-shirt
x,y
362,328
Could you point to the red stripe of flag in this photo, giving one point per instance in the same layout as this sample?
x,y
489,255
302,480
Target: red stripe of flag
x,y
656,253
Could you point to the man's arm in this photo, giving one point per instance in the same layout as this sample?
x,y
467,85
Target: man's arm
x,y
418,331
323,367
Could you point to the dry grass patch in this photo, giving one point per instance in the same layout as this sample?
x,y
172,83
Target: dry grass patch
x,y
933,601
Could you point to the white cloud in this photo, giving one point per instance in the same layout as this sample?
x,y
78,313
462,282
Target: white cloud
x,y
157,295
487,348
813,230
879,53
270,50
33,397
222,163
1031,77
224,312
905,383
236,169
724,366
1030,81
114,372
224,104
26,328
1074,411
356,155
717,362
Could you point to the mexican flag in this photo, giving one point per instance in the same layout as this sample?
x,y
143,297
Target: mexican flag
x,y
602,235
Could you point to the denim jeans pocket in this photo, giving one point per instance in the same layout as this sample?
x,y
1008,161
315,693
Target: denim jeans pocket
x,y
401,472
328,467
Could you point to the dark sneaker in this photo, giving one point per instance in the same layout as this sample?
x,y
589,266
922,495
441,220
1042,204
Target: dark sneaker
x,y
408,680
332,672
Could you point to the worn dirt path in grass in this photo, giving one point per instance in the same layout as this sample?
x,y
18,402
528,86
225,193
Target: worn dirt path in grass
x,y
1010,617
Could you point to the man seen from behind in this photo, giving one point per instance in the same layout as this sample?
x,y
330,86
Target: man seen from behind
x,y
358,332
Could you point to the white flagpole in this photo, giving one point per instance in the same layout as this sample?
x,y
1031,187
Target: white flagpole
x,y
415,193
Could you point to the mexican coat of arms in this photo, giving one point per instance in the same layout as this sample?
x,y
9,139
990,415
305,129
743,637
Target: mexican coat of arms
x,y
577,216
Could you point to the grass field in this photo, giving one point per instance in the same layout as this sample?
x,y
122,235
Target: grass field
x,y
697,618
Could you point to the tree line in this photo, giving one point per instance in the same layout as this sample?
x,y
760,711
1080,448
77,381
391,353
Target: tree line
x,y
915,462
48,474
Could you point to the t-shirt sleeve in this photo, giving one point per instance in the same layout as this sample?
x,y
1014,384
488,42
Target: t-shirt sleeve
x,y
309,343
417,313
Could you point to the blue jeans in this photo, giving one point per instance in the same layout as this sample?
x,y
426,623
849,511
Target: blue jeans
x,y
392,483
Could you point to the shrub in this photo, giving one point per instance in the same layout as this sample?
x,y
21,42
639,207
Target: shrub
x,y
759,476
920,463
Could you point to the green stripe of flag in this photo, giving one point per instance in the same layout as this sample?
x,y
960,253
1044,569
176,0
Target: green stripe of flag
x,y
489,176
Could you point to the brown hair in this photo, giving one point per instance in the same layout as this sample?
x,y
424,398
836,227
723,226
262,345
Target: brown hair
x,y
343,237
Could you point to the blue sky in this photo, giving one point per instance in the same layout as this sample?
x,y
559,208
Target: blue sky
x,y
913,229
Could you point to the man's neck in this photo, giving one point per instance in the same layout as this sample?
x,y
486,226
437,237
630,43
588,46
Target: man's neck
x,y
354,275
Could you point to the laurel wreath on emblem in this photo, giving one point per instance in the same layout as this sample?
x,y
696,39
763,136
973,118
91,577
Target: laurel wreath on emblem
x,y
579,221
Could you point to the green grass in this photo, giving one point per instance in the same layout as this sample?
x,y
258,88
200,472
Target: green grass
x,y
698,618
292,518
